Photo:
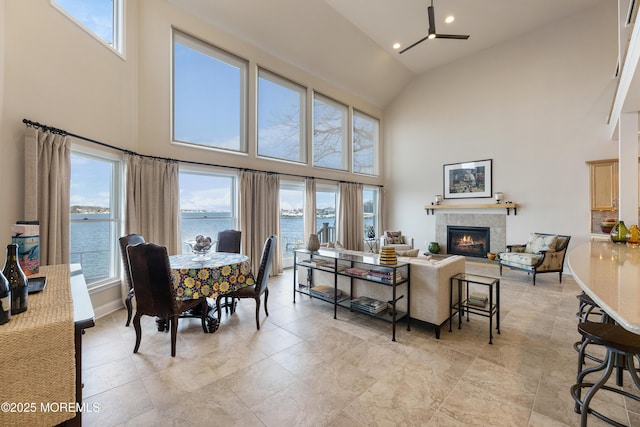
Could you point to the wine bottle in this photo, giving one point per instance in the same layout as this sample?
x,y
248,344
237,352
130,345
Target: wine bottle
x,y
5,300
17,280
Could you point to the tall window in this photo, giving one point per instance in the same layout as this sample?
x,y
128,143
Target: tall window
x,y
370,197
281,118
366,150
95,215
207,204
209,95
291,220
326,202
329,133
103,19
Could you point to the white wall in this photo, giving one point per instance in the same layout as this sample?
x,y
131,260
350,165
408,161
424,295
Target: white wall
x,y
537,105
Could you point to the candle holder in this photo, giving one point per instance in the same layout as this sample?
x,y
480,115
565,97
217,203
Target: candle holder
x,y
438,199
498,197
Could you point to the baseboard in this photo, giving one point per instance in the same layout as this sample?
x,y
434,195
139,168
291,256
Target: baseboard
x,y
107,308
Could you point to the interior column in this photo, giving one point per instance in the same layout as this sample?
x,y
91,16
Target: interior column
x,y
628,168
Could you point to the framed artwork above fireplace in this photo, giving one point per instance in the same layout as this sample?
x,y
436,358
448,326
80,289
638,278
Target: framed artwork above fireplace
x,y
468,180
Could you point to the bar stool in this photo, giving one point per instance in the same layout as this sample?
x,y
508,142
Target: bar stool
x,y
621,346
588,307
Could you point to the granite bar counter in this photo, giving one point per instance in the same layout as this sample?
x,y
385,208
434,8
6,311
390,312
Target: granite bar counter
x,y
610,274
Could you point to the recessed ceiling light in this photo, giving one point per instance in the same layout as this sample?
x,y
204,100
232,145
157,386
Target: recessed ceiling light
x,y
449,19
396,46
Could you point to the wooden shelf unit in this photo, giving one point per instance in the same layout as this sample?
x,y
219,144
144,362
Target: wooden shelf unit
x,y
508,206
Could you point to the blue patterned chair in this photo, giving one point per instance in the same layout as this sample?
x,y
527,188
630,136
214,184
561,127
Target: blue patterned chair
x,y
543,253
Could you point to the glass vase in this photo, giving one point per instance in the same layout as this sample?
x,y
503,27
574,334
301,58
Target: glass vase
x,y
619,232
633,236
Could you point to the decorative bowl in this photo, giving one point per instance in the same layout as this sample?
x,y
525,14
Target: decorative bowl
x,y
491,256
607,224
201,246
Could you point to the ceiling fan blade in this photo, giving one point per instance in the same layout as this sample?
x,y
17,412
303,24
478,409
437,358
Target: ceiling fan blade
x,y
452,36
415,44
432,19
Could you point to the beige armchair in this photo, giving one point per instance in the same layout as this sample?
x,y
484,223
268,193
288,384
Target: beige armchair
x,y
543,253
396,240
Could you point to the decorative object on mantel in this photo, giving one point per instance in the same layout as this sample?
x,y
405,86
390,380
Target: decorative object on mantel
x,y
619,233
438,199
633,236
468,180
434,247
498,197
388,255
313,244
507,205
607,224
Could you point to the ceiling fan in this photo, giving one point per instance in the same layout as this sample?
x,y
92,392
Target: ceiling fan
x,y
432,31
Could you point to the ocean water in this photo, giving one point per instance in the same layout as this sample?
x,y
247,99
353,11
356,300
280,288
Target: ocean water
x,y
91,245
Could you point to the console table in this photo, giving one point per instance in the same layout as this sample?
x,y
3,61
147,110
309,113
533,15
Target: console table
x,y
41,352
355,266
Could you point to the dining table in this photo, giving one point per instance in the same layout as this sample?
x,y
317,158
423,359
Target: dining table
x,y
208,276
610,274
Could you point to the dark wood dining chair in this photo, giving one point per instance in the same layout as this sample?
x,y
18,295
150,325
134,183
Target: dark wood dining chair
x,y
229,241
155,295
128,240
261,280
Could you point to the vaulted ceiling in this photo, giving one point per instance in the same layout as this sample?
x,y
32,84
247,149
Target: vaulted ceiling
x,y
349,42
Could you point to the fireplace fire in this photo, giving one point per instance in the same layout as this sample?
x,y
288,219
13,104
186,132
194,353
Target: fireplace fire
x,y
468,241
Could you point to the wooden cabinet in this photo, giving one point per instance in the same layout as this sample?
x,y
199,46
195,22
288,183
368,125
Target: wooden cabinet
x,y
603,175
604,184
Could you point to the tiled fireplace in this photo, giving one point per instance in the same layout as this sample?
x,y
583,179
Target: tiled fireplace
x,y
495,223
468,241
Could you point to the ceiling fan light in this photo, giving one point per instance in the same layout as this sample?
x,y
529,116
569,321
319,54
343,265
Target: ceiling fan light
x,y
432,36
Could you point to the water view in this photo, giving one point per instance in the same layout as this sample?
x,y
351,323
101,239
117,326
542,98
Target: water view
x,y
92,248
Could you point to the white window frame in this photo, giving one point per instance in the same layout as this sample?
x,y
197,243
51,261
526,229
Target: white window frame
x,y
116,210
118,44
288,84
223,56
344,162
376,143
376,223
204,171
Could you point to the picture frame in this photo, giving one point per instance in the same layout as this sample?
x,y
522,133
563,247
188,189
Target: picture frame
x,y
467,180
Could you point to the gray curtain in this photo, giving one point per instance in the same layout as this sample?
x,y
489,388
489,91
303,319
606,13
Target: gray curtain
x,y
152,200
350,222
310,226
260,215
47,186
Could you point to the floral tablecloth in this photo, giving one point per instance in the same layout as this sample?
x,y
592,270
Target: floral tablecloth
x,y
223,272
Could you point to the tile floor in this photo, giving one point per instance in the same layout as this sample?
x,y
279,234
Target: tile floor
x,y
305,368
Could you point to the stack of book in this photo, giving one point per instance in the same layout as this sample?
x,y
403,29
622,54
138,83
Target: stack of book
x,y
325,292
368,305
477,300
316,262
383,275
355,271
332,266
388,255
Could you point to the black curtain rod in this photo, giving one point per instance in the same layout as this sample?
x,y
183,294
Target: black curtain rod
x,y
45,128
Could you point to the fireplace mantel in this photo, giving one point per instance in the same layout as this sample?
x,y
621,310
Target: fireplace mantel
x,y
508,206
